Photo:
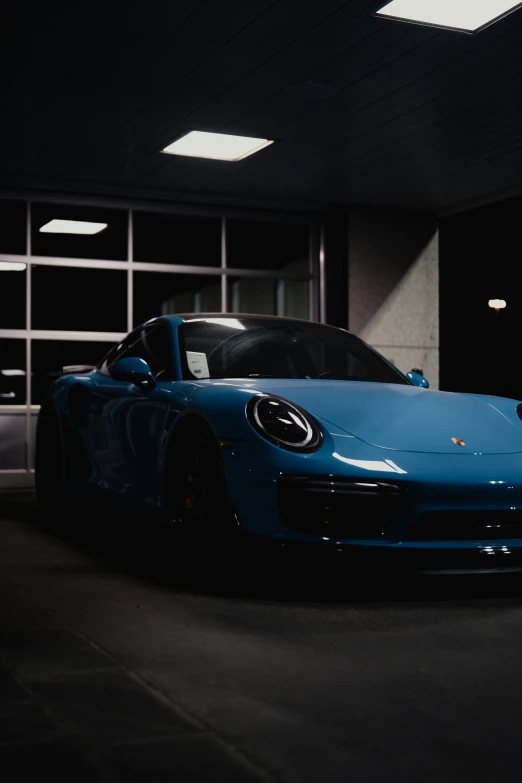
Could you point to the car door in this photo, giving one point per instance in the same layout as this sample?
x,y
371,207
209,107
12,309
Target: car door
x,y
127,423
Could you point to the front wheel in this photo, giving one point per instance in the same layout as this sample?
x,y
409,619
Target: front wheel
x,y
196,502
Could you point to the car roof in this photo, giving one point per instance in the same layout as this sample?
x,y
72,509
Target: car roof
x,y
251,316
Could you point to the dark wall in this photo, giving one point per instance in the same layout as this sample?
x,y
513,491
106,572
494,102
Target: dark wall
x,y
479,261
335,224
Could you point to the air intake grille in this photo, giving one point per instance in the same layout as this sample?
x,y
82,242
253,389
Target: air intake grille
x,y
466,526
338,508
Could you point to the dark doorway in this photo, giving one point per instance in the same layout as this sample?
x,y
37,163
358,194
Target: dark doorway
x,y
479,261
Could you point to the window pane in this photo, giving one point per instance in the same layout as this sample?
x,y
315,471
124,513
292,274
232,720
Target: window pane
x,y
13,227
158,293
173,239
49,356
79,299
32,438
110,243
267,296
295,298
252,295
12,296
12,441
12,372
256,245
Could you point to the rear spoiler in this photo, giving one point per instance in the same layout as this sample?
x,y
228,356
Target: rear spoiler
x,y
74,369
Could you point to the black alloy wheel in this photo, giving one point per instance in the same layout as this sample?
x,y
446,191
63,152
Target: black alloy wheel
x,y
196,501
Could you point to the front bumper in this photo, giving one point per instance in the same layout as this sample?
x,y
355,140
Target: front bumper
x,y
328,557
426,485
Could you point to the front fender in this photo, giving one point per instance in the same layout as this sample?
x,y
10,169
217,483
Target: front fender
x,y
224,409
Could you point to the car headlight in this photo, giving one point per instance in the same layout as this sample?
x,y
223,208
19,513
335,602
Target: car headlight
x,y
283,423
519,410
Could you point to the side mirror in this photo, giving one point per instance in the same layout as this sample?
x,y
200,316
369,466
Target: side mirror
x,y
418,379
133,370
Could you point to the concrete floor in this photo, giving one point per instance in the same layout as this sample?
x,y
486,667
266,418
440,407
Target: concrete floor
x,y
121,662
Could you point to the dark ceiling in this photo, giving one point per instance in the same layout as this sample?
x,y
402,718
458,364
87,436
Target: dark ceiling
x,y
410,116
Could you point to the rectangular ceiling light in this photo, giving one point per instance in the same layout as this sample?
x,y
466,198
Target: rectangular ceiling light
x,y
11,266
57,226
468,16
218,146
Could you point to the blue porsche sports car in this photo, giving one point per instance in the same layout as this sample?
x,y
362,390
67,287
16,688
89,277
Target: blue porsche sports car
x,y
290,431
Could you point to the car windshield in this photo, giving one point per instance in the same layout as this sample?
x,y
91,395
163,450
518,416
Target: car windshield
x,y
242,347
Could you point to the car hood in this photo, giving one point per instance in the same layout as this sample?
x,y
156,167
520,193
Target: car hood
x,y
407,418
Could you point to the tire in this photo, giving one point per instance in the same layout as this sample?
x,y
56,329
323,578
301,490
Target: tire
x,y
49,465
196,503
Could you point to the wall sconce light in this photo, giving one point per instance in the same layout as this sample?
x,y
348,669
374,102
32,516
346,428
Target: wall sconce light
x,y
497,304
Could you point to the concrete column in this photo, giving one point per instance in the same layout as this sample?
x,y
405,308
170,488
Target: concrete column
x,y
393,286
335,223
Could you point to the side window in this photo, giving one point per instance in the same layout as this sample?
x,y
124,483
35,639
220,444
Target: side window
x,y
159,353
117,352
151,344
135,347
130,346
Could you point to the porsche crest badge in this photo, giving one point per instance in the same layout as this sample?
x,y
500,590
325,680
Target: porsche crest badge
x,y
458,441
